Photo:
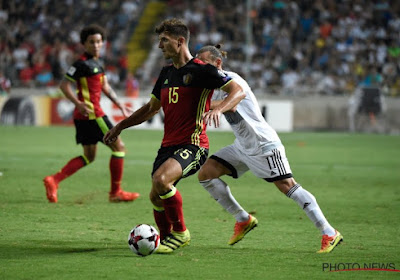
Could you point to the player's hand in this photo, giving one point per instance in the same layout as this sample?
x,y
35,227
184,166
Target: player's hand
x,y
84,109
111,135
211,117
126,111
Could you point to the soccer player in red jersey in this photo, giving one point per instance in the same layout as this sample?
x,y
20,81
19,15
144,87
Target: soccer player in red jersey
x,y
91,123
183,90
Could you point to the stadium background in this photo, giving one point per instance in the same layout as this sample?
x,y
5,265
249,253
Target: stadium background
x,y
84,237
309,56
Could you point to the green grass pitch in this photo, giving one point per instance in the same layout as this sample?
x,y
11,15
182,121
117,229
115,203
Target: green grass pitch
x,y
355,179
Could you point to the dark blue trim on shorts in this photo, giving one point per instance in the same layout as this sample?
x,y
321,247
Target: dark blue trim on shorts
x,y
227,165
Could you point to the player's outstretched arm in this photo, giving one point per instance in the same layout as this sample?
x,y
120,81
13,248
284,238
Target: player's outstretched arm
x,y
215,103
235,95
143,114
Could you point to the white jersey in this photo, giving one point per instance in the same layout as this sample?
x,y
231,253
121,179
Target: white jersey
x,y
253,134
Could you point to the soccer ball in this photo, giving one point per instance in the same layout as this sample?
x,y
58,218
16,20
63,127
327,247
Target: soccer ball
x,y
144,240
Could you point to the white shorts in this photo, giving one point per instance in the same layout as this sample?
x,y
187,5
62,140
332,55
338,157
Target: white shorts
x,y
270,165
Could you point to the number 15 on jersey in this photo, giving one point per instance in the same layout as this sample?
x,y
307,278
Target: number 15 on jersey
x,y
173,95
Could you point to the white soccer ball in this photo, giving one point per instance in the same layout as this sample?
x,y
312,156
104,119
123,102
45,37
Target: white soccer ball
x,y
144,240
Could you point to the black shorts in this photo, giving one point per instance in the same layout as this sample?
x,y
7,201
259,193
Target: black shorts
x,y
89,132
190,157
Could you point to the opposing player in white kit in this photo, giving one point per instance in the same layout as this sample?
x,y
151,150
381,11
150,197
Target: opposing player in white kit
x,y
257,148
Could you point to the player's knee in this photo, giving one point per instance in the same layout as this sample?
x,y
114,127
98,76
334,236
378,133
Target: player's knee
x,y
210,170
160,183
117,146
203,175
121,146
285,185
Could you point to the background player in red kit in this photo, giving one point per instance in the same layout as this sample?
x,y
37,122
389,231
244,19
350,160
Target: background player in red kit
x,y
184,91
87,74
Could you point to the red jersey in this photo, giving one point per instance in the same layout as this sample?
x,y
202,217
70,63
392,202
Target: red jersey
x,y
87,72
185,94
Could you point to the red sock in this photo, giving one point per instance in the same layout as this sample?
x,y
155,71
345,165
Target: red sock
x,y
116,171
162,223
70,168
174,211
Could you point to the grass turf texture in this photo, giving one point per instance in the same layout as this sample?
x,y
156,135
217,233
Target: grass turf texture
x,y
354,178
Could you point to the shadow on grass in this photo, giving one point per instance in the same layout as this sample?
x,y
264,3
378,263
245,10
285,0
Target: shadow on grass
x,y
37,248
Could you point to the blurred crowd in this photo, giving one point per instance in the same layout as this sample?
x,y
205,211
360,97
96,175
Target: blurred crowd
x,y
39,39
324,46
297,47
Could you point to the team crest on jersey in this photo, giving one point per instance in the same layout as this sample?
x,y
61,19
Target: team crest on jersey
x,y
187,79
